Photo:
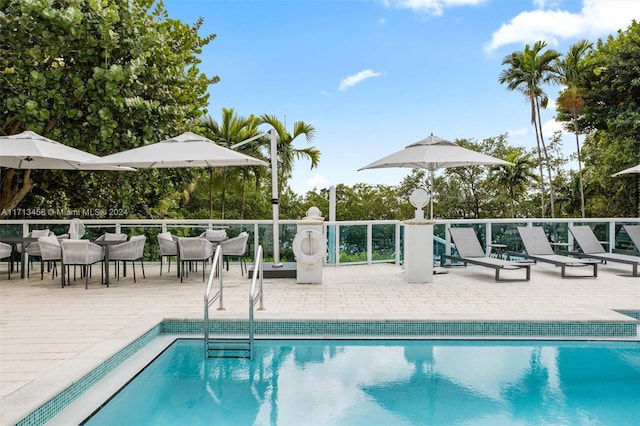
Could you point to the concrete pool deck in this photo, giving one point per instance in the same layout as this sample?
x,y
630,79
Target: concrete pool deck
x,y
50,337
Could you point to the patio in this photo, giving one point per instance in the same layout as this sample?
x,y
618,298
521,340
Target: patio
x,y
50,337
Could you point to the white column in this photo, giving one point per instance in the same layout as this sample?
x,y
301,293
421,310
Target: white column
x,y
418,250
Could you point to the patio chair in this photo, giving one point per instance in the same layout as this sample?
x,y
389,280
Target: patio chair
x,y
539,249
76,229
129,251
236,247
633,231
470,251
194,249
592,248
83,253
50,251
168,248
214,233
33,248
5,253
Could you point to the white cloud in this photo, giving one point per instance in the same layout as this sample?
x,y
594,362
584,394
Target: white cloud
x,y
317,181
434,7
550,127
597,18
357,78
305,183
518,132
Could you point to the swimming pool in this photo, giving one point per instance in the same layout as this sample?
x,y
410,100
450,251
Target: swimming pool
x,y
390,382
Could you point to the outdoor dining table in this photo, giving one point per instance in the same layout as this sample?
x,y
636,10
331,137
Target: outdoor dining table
x,y
14,241
107,244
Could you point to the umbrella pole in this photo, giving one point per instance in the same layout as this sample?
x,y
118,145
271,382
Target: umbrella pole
x,y
210,193
431,194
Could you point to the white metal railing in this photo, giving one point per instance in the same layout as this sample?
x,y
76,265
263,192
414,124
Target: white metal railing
x,y
255,294
490,224
209,299
338,247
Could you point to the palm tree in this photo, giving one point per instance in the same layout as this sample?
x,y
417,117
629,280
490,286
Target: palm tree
x,y
514,177
571,70
287,153
231,130
527,71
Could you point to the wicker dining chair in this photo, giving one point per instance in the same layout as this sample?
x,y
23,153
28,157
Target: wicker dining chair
x,y
33,248
5,252
51,252
168,248
194,249
83,253
236,247
129,251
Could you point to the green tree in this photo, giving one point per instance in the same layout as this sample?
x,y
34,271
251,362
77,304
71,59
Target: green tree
x,y
572,70
515,178
231,130
101,76
526,72
612,112
287,152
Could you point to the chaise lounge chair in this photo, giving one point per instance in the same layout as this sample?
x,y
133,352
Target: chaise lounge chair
x,y
539,249
470,251
633,231
592,248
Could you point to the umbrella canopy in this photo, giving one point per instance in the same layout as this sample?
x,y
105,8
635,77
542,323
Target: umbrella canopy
x,y
433,153
635,169
185,150
29,150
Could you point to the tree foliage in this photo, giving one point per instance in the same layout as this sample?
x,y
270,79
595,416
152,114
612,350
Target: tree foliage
x,y
612,114
102,76
527,71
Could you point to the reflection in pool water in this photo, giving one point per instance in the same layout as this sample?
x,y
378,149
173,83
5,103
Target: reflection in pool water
x,y
387,383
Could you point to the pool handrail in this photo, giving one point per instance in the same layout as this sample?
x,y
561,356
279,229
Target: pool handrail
x,y
255,294
209,300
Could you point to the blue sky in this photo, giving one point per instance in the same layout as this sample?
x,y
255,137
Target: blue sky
x,y
373,76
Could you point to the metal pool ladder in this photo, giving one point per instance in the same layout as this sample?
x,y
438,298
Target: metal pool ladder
x,y
232,347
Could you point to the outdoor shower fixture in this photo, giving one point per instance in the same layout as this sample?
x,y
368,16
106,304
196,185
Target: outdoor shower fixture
x,y
274,190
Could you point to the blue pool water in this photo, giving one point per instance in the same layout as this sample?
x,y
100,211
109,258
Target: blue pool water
x,y
303,382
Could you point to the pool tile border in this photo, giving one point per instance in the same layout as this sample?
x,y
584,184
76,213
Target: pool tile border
x,y
426,329
360,329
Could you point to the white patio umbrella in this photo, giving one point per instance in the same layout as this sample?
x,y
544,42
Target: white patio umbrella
x,y
635,169
182,151
185,150
433,153
29,150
